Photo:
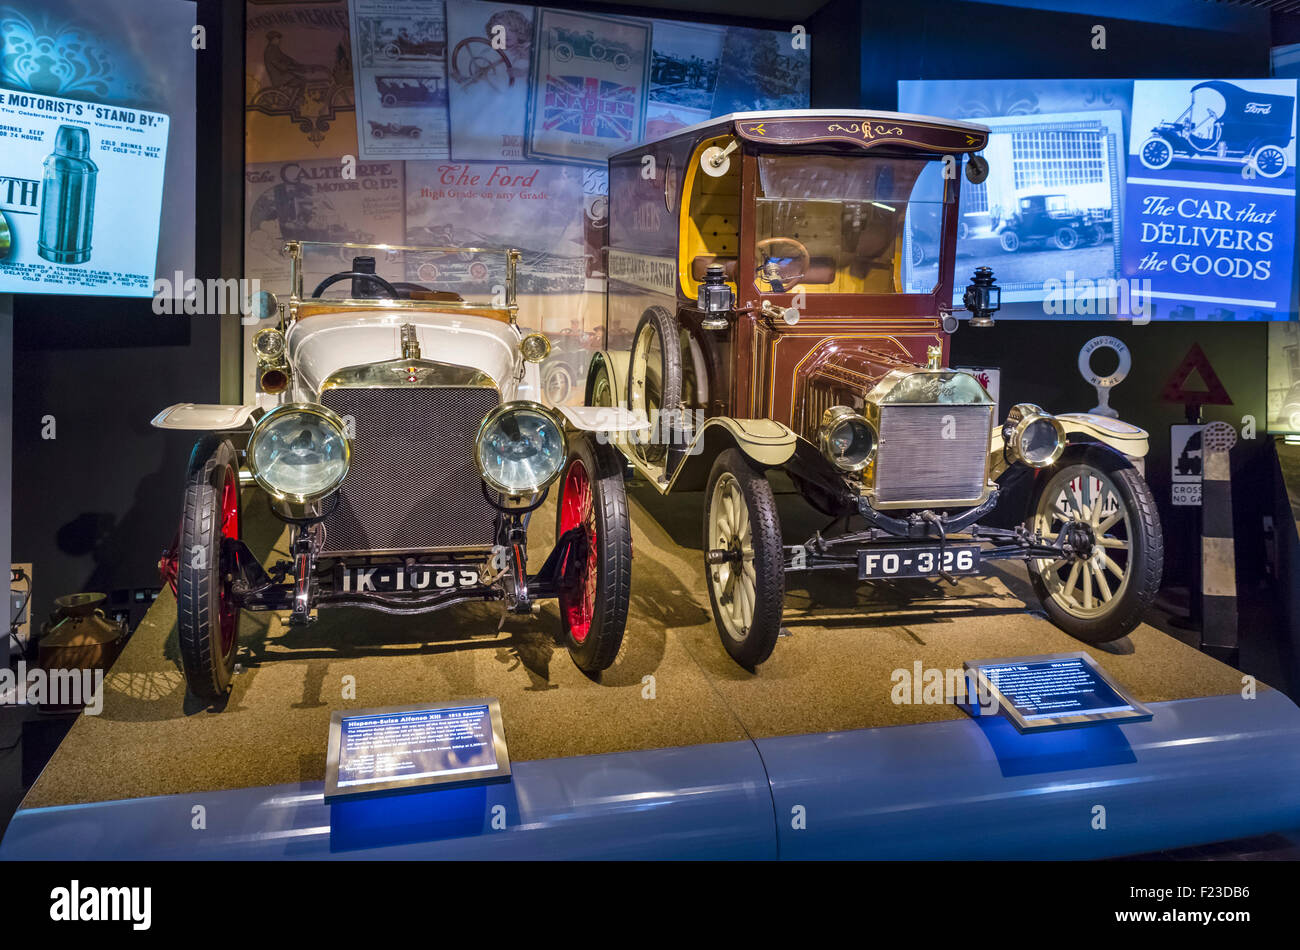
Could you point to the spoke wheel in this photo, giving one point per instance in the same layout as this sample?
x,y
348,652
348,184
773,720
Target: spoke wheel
x,y
744,561
655,379
1103,510
596,575
207,613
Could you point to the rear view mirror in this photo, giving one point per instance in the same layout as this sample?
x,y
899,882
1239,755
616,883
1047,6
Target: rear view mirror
x,y
263,305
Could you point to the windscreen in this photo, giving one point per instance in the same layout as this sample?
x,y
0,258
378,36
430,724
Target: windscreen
x,y
848,223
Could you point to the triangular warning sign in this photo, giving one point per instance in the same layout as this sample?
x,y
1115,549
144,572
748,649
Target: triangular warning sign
x,y
1195,364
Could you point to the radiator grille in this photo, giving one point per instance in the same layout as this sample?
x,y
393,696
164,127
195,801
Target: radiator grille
x,y
412,485
915,463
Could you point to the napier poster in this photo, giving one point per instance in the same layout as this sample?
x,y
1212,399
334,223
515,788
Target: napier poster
x,y
400,52
298,84
489,61
81,193
588,91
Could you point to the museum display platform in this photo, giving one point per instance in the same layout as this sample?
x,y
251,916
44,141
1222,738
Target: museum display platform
x,y
676,752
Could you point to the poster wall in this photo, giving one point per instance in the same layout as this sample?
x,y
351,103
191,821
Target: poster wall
x,y
491,120
1119,199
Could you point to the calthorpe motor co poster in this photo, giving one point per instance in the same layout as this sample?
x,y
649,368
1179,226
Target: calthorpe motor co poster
x,y
588,91
312,201
81,191
1211,196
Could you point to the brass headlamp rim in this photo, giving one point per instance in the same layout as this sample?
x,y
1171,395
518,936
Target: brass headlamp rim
x,y
518,405
834,417
311,408
1019,419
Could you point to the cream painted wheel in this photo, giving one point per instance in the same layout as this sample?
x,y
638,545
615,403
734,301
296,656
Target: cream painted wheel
x,y
1087,504
744,561
1102,509
734,581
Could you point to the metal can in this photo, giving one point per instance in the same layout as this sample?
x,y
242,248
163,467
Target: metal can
x,y
68,198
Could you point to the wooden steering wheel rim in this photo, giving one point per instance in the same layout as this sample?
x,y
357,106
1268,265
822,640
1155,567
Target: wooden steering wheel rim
x,y
805,259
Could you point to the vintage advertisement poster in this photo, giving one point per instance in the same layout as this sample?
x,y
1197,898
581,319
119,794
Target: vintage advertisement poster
x,y
298,81
589,82
762,69
1211,196
489,61
683,75
400,52
313,201
80,195
534,207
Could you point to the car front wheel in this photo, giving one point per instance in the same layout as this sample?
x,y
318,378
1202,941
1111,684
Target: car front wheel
x,y
1099,590
207,617
596,578
744,562
1010,241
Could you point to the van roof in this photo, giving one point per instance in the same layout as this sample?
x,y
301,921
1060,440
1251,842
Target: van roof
x,y
733,117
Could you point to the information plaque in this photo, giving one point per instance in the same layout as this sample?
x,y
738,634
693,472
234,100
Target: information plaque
x,y
1054,691
409,748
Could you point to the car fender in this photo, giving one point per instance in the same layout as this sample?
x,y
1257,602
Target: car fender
x,y
1129,440
767,443
616,364
201,417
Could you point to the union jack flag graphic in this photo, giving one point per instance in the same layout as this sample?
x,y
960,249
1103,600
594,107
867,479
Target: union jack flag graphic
x,y
588,106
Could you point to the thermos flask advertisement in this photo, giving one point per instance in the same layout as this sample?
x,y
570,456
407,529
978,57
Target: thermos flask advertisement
x,y
80,196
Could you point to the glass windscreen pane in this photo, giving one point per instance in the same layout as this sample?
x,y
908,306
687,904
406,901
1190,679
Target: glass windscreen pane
x,y
848,224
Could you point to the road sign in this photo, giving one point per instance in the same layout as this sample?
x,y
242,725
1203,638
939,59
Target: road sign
x,y
1187,457
1197,362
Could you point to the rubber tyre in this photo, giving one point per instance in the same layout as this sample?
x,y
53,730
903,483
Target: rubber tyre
x,y
207,664
1147,555
667,379
769,560
611,558
1156,153
1010,241
1065,239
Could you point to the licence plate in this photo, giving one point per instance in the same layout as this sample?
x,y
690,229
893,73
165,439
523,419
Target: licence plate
x,y
918,561
398,577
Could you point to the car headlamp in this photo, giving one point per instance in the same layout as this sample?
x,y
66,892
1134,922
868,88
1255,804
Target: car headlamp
x,y
847,439
268,343
299,452
1032,436
520,448
535,347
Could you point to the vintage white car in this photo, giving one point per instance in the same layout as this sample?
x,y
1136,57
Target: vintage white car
x,y
408,450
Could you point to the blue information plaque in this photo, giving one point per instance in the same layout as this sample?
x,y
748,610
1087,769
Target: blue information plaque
x,y
410,748
1054,691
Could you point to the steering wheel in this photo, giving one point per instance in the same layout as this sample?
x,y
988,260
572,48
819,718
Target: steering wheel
x,y
768,270
333,279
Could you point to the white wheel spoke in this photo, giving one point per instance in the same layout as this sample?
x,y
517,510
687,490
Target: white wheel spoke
x,y
1101,582
1087,590
1119,543
1112,566
1110,521
1068,590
